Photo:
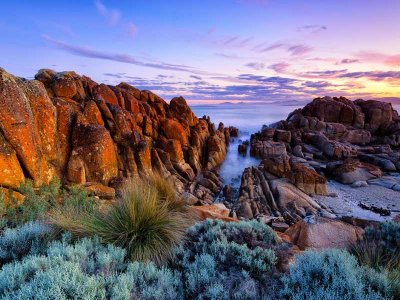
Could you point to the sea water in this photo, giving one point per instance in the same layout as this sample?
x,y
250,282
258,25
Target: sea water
x,y
249,118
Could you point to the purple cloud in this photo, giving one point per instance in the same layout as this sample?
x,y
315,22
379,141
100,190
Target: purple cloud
x,y
255,66
279,67
298,50
123,58
346,61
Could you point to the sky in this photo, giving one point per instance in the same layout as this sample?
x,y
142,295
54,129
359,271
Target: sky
x,y
212,51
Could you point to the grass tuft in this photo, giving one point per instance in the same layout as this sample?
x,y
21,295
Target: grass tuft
x,y
148,220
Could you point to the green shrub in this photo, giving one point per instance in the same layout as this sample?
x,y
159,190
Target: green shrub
x,y
380,246
333,274
146,221
86,270
30,238
228,260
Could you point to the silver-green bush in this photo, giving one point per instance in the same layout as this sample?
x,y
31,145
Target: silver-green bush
x,y
333,274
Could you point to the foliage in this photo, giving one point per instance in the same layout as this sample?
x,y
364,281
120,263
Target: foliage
x,y
86,270
333,274
228,260
39,200
380,246
148,220
30,238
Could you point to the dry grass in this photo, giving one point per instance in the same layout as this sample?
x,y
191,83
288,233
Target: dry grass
x,y
148,220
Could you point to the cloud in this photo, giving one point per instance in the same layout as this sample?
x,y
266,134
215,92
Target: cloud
x,y
374,75
323,74
312,28
376,57
195,77
112,16
272,47
298,50
347,61
123,58
279,67
255,66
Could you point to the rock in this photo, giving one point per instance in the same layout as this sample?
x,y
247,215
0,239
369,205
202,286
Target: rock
x,y
227,192
377,209
174,130
11,197
11,174
321,233
215,211
307,179
352,170
277,165
297,151
265,149
93,156
233,131
242,149
64,85
281,227
383,163
101,191
357,184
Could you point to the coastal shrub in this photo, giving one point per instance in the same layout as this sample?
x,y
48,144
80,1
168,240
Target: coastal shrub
x,y
86,270
228,260
30,238
145,281
40,200
380,246
147,220
333,274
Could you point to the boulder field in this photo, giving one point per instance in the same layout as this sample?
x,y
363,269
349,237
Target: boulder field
x,y
353,142
96,135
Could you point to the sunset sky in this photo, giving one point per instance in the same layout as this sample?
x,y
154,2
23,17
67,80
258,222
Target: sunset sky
x,y
260,50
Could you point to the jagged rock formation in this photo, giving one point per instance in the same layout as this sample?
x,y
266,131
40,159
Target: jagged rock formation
x,y
352,142
66,125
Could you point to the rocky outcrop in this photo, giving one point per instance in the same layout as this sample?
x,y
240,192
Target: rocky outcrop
x,y
322,233
68,126
263,194
351,142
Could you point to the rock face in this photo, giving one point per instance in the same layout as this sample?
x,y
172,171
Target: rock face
x,y
66,125
321,233
351,142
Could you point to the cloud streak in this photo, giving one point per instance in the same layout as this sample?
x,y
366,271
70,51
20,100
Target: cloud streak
x,y
122,58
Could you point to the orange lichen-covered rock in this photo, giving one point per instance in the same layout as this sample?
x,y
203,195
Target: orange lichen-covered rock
x,y
103,92
11,174
174,130
11,197
94,152
18,127
214,211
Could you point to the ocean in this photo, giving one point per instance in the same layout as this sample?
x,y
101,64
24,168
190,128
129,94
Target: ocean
x,y
249,118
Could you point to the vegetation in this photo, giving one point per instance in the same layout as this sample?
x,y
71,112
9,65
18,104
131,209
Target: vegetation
x,y
228,260
333,274
380,246
86,270
60,245
148,220
39,200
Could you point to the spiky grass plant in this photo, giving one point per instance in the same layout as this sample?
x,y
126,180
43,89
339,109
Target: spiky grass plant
x,y
148,220
379,248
